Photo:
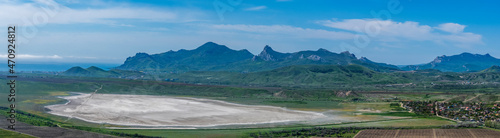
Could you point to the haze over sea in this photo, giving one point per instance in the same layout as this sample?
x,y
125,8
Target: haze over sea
x,y
55,67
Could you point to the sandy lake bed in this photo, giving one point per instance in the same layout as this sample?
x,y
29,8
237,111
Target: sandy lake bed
x,y
166,111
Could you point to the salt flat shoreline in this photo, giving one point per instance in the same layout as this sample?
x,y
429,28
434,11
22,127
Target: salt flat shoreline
x,y
172,112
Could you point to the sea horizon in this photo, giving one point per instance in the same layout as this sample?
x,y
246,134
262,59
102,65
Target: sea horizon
x,y
57,67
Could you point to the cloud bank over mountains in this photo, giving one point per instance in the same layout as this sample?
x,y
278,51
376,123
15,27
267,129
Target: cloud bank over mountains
x,y
65,27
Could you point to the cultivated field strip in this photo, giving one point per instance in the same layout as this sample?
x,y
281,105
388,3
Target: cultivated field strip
x,y
429,133
416,133
377,133
52,132
453,133
484,133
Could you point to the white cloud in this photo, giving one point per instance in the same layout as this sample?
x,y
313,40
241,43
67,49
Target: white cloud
x,y
391,31
49,11
374,27
257,8
34,57
451,27
28,56
285,30
69,1
462,39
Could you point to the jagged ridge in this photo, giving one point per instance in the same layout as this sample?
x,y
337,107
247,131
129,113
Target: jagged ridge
x,y
214,57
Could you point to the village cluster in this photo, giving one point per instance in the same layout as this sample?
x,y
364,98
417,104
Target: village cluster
x,y
459,111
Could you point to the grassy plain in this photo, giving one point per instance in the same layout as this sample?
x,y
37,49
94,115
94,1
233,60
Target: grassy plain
x,y
371,109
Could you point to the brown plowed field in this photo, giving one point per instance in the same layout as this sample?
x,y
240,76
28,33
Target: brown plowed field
x,y
429,133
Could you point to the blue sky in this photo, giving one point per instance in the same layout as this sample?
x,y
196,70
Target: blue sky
x,y
109,31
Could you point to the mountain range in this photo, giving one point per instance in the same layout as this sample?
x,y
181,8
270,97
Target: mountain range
x,y
214,57
458,63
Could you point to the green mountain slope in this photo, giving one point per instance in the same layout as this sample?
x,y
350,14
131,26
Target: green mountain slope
x,y
76,71
493,69
98,72
318,75
214,57
294,76
209,56
458,63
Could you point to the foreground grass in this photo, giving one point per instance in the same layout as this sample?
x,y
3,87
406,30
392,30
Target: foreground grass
x,y
244,132
400,114
411,122
194,133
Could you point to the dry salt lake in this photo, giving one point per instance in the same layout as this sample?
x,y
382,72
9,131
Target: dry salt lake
x,y
146,111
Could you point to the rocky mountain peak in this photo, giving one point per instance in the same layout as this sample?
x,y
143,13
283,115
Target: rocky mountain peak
x,y
438,59
314,57
364,59
268,48
268,54
345,52
140,54
348,54
322,50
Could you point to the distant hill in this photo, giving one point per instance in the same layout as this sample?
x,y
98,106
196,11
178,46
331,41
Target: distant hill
x,y
458,63
366,60
94,71
77,71
492,69
213,57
